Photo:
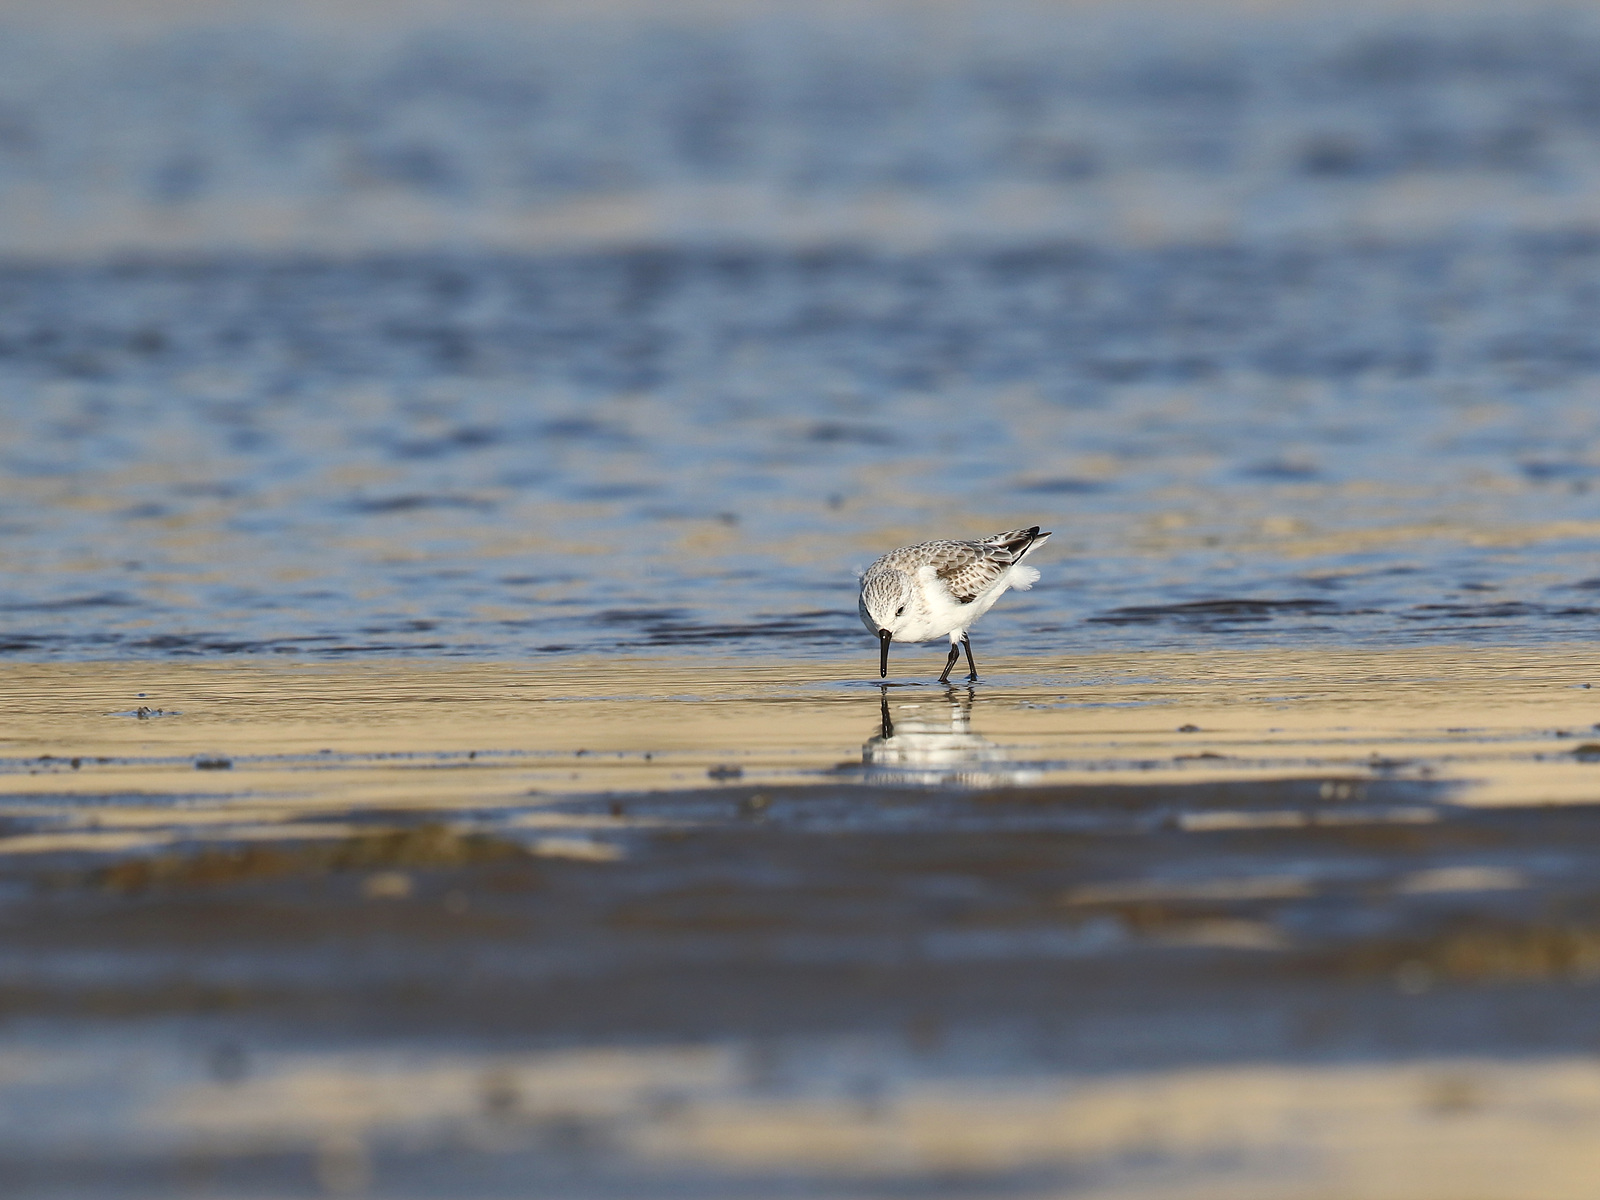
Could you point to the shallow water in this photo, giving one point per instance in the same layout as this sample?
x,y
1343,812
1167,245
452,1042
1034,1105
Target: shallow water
x,y
663,450
1302,349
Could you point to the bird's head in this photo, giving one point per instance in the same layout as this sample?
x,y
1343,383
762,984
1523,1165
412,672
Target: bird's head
x,y
886,602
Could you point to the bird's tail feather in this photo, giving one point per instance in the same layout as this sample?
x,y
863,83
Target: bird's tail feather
x,y
1023,578
1033,545
1019,541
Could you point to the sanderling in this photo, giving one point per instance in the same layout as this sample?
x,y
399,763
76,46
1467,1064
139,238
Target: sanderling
x,y
938,589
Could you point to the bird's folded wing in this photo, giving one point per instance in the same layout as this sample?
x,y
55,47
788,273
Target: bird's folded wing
x,y
969,569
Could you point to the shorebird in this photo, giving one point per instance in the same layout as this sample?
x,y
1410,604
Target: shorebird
x,y
938,589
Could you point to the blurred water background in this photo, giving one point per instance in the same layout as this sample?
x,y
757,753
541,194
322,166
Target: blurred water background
x,y
498,330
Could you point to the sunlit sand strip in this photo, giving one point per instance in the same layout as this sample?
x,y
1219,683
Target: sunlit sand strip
x,y
90,841
314,740
1444,1129
1127,208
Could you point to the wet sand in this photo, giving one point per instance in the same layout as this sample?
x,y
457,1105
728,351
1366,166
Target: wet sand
x,y
1247,924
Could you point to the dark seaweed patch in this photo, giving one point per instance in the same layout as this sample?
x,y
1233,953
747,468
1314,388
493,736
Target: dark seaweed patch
x,y
413,502
690,633
1060,487
178,643
1219,612
1506,610
581,429
98,600
637,616
1555,471
614,491
674,626
1478,948
457,440
1280,470
834,433
424,847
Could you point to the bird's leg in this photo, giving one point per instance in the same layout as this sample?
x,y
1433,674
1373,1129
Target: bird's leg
x,y
955,653
972,667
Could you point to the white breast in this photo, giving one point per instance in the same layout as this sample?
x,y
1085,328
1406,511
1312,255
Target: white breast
x,y
942,615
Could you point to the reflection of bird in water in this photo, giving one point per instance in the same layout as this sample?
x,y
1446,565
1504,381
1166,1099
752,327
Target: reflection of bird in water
x,y
934,744
938,589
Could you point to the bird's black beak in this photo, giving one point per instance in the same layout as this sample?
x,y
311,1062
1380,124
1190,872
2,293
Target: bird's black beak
x,y
884,638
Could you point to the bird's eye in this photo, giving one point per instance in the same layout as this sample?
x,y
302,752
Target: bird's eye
x,y
900,610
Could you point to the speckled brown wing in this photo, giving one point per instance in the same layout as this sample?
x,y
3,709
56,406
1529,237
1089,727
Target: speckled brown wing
x,y
968,569
942,556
